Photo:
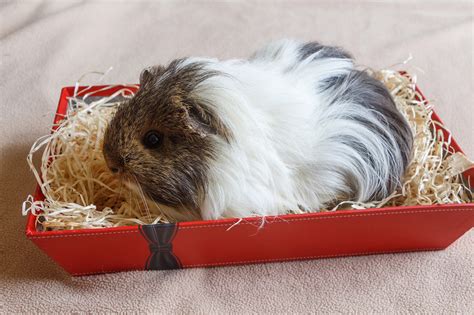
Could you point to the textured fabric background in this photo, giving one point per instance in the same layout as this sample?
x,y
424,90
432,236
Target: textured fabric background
x,y
45,46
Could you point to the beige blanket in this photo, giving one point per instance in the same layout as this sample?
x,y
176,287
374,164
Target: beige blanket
x,y
45,46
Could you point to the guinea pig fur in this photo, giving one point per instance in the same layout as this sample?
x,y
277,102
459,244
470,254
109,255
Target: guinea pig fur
x,y
294,126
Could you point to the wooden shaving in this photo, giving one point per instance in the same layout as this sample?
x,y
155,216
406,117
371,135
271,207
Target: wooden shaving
x,y
80,191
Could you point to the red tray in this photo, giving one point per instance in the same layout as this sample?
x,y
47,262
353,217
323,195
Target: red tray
x,y
221,243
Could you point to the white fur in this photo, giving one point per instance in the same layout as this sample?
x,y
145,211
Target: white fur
x,y
283,155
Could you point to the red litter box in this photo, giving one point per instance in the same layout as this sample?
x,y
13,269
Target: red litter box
x,y
223,242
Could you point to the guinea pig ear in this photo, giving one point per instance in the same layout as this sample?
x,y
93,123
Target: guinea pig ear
x,y
150,75
198,120
187,123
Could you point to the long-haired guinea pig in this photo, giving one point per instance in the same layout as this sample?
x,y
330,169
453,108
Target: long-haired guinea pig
x,y
294,126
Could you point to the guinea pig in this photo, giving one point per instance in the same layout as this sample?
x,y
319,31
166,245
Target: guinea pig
x,y
295,126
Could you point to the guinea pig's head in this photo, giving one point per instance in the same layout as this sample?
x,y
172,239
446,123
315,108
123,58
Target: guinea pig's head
x,y
163,139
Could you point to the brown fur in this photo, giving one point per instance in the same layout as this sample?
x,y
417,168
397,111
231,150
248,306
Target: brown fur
x,y
175,173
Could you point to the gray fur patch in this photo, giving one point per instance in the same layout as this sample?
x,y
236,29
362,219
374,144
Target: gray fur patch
x,y
359,88
322,51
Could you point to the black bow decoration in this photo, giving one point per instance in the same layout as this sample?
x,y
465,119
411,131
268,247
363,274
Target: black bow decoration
x,y
159,238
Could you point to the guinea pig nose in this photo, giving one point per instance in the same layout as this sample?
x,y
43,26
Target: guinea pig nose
x,y
114,169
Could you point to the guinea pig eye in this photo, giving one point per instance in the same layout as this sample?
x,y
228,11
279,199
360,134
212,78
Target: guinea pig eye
x,y
152,139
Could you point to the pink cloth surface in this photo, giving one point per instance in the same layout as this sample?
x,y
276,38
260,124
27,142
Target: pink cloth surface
x,y
47,45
